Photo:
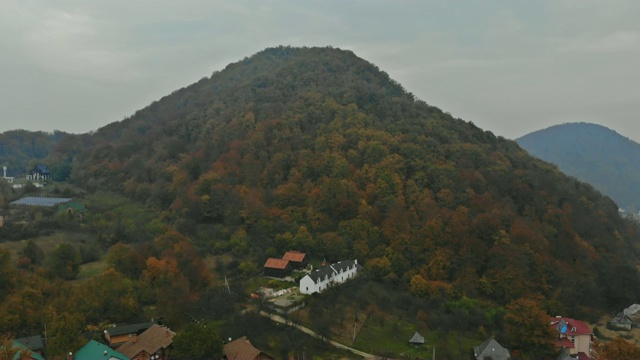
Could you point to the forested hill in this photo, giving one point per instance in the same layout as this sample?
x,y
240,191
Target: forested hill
x,y
20,149
591,153
318,150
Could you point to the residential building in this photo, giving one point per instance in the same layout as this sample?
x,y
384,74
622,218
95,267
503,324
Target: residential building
x,y
278,268
327,276
39,172
94,350
242,349
24,353
120,334
155,341
491,349
574,335
33,343
298,260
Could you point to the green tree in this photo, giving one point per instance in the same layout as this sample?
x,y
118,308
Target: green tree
x,y
7,279
65,262
33,252
197,341
64,334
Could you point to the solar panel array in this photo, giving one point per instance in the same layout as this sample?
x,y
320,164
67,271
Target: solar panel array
x,y
40,201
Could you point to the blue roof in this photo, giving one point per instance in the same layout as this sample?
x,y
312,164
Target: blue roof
x,y
94,350
40,201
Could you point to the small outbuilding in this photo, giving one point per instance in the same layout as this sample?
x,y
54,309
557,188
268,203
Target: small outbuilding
x,y
417,339
278,268
297,259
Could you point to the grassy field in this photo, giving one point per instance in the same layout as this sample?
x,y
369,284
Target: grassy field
x,y
390,337
92,269
47,242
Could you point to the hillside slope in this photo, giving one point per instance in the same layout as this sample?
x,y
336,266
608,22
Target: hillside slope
x,y
318,150
594,154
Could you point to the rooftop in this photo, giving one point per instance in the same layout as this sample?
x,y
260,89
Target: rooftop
x,y
153,339
274,263
294,256
40,201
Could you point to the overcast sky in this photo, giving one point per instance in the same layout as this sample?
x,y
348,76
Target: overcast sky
x,y
509,66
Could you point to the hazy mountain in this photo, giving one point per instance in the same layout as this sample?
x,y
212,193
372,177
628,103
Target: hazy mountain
x,y
594,154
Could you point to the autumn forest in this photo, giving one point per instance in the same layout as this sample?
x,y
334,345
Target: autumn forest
x,y
317,150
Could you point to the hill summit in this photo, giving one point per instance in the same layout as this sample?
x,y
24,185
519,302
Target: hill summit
x,y
594,154
318,150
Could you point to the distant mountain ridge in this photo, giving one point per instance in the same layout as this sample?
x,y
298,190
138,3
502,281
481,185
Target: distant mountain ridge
x,y
592,153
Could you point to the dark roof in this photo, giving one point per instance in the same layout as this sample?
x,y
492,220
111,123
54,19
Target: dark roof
x,y
319,274
42,169
294,256
40,201
342,266
417,339
274,263
327,271
153,339
492,349
95,350
242,349
32,342
129,329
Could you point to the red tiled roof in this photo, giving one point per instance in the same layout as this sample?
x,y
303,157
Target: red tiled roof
x,y
294,256
583,356
574,327
242,349
565,343
273,263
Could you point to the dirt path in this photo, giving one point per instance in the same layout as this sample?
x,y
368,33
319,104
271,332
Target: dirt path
x,y
281,320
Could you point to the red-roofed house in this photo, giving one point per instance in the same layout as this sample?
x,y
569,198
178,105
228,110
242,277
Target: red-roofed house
x,y
297,259
277,268
242,349
574,335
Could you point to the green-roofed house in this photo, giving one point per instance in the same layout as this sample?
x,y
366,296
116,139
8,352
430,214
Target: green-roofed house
x,y
94,350
23,350
73,209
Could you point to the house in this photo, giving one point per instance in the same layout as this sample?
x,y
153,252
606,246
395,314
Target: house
x,y
620,322
278,268
334,274
417,339
23,352
242,349
574,335
154,341
120,334
39,172
94,350
491,349
33,343
298,260
73,209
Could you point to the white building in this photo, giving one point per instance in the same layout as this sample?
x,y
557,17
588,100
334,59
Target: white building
x,y
331,275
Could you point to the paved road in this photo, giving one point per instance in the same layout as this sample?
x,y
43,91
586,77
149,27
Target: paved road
x,y
280,319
